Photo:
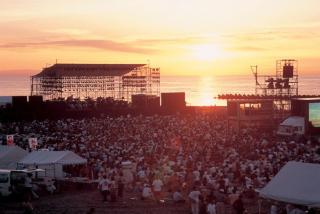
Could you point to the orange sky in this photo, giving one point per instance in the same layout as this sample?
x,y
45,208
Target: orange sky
x,y
183,37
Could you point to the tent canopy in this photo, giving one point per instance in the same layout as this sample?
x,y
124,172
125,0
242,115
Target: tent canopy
x,y
52,157
296,183
10,155
293,121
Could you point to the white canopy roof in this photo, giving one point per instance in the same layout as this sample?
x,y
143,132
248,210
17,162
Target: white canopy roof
x,y
10,155
293,121
52,157
296,183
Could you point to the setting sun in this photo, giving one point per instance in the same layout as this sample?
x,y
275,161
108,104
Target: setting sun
x,y
206,52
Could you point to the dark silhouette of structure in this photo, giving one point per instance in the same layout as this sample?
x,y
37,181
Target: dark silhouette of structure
x,y
118,81
271,102
173,101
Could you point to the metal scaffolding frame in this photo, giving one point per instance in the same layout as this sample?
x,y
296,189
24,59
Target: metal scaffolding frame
x,y
118,81
281,87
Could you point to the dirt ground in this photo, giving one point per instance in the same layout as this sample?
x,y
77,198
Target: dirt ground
x,y
79,202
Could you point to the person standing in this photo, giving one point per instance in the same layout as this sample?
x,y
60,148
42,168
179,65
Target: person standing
x,y
273,209
238,205
194,199
157,187
120,185
28,187
113,190
28,208
104,187
146,192
211,207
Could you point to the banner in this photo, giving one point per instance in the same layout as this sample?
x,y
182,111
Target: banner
x,y
33,143
10,141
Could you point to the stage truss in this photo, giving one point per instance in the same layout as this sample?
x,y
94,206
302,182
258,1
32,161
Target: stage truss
x,y
118,85
281,87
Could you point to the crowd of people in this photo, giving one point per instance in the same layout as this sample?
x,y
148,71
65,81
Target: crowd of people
x,y
188,157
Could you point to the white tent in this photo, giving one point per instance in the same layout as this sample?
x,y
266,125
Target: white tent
x,y
296,183
292,125
52,161
10,155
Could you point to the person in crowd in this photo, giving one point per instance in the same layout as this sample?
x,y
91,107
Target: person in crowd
x,y
104,187
180,151
147,193
211,207
28,187
120,184
157,188
273,209
238,205
113,189
178,197
194,197
28,207
297,210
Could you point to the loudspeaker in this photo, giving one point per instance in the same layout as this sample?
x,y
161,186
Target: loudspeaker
x,y
145,101
19,101
287,71
173,101
35,100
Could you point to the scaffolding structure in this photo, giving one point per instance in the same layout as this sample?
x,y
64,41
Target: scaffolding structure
x,y
118,81
281,87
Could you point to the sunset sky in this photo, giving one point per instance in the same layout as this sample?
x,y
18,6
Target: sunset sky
x,y
183,37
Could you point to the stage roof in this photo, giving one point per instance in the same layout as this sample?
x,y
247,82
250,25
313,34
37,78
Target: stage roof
x,y
308,99
69,70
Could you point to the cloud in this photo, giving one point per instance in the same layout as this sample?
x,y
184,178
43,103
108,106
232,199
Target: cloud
x,y
175,40
83,43
273,34
248,48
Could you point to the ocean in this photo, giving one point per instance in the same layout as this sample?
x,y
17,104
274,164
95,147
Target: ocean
x,y
200,91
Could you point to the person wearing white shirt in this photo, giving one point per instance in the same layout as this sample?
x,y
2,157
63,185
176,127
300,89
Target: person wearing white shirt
x,y
194,199
104,187
196,176
146,192
211,208
157,187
